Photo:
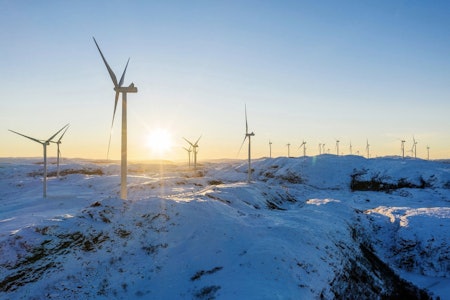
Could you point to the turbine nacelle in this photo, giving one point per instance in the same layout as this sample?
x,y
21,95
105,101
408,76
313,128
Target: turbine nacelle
x,y
126,89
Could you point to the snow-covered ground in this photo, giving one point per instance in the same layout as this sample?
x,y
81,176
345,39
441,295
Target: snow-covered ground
x,y
305,228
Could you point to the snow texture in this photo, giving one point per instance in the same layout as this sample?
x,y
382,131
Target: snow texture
x,y
325,227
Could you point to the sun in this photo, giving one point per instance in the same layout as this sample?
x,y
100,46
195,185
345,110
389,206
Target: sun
x,y
159,141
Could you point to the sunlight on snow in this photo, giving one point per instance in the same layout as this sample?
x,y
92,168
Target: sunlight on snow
x,y
321,201
403,213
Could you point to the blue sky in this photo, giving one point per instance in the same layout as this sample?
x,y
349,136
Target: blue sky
x,y
307,70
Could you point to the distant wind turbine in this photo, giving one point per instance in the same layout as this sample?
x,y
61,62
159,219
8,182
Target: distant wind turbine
x,y
414,147
248,135
304,148
44,144
270,149
124,90
288,146
368,148
194,149
188,150
403,148
351,148
58,153
337,147
428,152
320,148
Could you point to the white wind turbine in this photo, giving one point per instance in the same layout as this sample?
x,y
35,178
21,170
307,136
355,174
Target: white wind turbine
x,y
248,135
44,144
58,153
414,147
403,148
194,149
368,148
337,147
188,150
304,148
351,148
428,152
270,149
288,146
118,88
320,148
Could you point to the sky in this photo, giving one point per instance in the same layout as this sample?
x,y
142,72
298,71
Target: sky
x,y
314,71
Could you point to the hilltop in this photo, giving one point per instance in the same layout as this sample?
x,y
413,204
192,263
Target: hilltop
x,y
305,228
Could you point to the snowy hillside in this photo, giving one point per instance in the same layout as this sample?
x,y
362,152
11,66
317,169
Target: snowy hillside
x,y
305,228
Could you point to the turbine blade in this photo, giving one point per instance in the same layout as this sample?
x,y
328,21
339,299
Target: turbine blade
x,y
189,142
60,138
112,123
116,99
123,75
51,138
246,124
28,137
240,148
110,71
198,140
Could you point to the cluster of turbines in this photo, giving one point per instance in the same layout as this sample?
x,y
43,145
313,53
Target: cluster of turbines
x,y
44,144
193,147
323,150
119,89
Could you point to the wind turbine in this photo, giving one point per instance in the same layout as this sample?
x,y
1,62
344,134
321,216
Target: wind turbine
x,y
288,146
323,148
403,148
270,149
414,147
58,153
368,148
351,148
124,91
304,148
44,144
248,135
337,147
189,154
428,152
320,148
194,149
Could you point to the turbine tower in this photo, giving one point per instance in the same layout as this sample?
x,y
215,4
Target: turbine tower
x,y
119,89
337,147
44,144
414,147
270,149
428,152
189,154
248,135
368,148
304,148
58,153
320,148
288,146
403,148
194,149
351,148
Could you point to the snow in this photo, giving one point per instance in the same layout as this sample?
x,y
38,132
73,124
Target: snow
x,y
298,231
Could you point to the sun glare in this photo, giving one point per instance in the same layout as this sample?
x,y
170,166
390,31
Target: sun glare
x,y
159,141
